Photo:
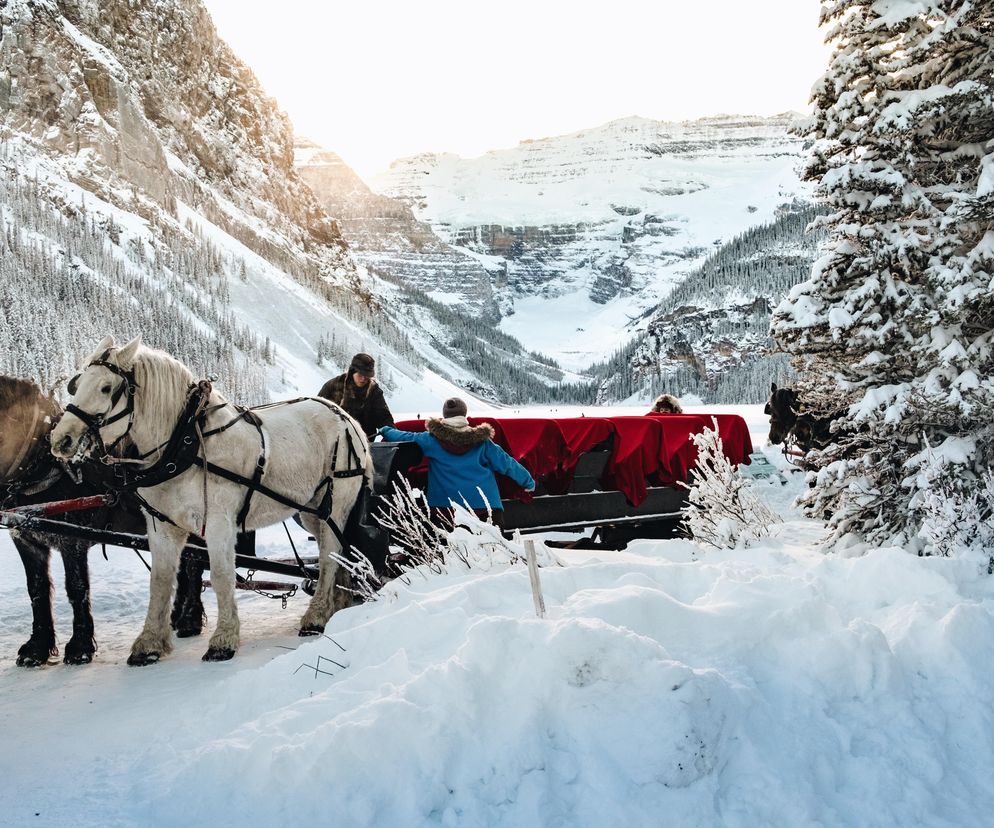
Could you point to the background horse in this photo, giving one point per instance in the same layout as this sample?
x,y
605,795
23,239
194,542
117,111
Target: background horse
x,y
30,475
792,426
250,470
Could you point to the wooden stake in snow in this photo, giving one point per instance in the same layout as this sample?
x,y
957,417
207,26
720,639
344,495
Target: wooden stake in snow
x,y
533,576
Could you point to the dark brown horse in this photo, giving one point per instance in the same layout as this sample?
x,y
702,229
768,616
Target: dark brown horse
x,y
794,427
28,475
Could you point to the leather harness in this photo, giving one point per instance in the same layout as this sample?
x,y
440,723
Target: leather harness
x,y
183,450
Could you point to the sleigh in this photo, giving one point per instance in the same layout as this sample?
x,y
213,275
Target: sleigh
x,y
618,475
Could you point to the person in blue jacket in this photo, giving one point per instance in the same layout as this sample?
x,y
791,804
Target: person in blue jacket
x,y
462,460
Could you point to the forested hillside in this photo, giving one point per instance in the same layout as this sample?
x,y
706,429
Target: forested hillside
x,y
67,281
710,337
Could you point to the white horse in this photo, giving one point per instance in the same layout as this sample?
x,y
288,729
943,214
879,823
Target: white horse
x,y
298,453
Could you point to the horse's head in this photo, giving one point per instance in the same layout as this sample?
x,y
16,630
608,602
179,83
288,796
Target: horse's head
x,y
782,411
101,405
27,415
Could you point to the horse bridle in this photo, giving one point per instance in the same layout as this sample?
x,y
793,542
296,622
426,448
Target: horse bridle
x,y
127,388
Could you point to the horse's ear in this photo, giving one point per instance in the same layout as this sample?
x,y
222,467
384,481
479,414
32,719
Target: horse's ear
x,y
126,353
104,344
773,388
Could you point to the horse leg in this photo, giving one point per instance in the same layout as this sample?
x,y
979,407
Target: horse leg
x,y
41,645
221,537
327,599
187,617
82,645
165,543
319,610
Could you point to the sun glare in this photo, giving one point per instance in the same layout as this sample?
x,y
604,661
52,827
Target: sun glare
x,y
378,81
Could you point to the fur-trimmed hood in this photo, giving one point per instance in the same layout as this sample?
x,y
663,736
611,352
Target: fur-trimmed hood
x,y
456,435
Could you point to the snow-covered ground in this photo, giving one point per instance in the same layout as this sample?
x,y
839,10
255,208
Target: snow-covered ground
x,y
668,684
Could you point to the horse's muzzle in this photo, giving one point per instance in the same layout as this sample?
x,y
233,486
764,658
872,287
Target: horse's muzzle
x,y
64,447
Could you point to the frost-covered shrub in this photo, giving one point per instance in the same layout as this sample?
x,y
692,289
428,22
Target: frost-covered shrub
x,y
722,509
423,547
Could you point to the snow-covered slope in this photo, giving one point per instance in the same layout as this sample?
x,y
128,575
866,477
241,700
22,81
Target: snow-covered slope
x,y
591,229
140,156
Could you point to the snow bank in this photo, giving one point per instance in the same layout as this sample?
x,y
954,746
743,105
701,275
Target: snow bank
x,y
668,684
774,686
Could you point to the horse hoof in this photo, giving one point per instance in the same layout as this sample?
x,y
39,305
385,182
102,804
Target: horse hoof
x,y
218,654
34,655
189,632
142,659
78,658
311,629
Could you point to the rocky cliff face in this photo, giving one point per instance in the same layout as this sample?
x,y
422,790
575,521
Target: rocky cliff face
x,y
140,103
619,214
384,235
710,337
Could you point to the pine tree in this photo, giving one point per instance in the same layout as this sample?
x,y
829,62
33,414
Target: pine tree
x,y
897,318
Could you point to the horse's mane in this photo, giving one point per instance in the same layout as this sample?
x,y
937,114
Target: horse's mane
x,y
15,391
163,383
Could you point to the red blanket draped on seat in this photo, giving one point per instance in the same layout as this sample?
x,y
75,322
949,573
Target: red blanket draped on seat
x,y
734,435
678,451
637,449
580,435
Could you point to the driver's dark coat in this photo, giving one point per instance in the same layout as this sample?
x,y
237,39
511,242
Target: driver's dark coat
x,y
366,405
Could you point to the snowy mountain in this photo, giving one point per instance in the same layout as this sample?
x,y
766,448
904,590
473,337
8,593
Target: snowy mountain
x,y
590,230
384,235
147,185
710,337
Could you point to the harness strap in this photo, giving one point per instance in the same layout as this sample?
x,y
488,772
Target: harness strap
x,y
46,482
176,455
155,513
264,490
182,451
260,467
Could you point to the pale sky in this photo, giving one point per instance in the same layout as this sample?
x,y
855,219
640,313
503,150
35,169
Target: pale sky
x,y
381,79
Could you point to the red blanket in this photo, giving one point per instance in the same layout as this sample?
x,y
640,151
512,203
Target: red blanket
x,y
580,435
678,452
638,445
732,429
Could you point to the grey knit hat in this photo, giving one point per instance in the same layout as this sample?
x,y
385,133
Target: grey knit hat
x,y
454,407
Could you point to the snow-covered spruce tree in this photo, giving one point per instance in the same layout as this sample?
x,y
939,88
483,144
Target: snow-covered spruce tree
x,y
895,323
